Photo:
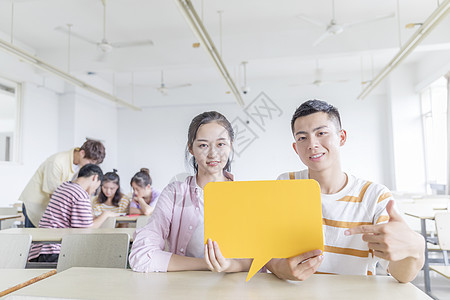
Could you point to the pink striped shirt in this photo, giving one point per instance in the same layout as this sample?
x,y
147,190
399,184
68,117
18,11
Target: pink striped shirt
x,y
69,207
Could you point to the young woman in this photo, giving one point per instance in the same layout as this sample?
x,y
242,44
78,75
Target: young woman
x,y
178,216
144,196
110,197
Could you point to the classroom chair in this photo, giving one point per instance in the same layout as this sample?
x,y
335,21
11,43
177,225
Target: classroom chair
x,y
142,221
443,233
14,250
109,223
107,250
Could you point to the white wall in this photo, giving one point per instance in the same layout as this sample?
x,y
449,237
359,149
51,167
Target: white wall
x,y
39,140
156,137
51,122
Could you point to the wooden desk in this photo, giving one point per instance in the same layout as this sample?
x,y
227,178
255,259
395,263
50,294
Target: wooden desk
x,y
98,283
8,217
51,235
12,277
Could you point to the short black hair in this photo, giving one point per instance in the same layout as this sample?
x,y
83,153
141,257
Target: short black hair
x,y
313,106
90,169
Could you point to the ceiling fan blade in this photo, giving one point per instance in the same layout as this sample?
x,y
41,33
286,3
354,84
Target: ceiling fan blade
x,y
178,86
321,38
132,44
381,17
74,34
334,81
299,84
312,21
162,90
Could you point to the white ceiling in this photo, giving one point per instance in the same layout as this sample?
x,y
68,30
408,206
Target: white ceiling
x,y
267,33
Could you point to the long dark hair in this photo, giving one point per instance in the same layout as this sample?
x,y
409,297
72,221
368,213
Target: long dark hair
x,y
205,118
114,178
142,178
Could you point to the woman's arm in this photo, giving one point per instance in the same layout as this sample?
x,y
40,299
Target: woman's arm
x,y
145,208
147,252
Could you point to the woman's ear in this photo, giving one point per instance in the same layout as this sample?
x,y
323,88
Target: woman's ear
x,y
82,153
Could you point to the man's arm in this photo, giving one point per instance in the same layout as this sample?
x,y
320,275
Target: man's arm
x,y
396,242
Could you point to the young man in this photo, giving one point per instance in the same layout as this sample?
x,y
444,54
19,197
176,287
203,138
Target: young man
x,y
55,170
361,226
70,207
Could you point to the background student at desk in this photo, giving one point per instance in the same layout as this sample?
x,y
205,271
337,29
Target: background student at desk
x,y
70,207
55,170
110,197
347,202
144,196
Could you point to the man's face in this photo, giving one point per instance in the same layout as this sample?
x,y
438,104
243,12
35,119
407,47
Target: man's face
x,y
94,184
317,141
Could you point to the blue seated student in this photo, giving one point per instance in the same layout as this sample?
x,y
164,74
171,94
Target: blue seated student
x,y
361,226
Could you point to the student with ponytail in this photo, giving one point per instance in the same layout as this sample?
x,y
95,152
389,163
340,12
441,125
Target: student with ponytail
x,y
144,195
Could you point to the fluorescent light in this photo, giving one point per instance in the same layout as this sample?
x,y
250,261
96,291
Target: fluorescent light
x,y
192,18
437,16
29,58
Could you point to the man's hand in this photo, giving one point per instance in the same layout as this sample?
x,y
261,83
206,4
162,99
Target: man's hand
x,y
298,267
392,241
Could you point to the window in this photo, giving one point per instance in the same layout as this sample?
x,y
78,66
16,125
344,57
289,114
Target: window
x,y
434,120
9,120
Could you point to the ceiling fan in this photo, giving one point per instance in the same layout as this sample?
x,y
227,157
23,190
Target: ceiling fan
x,y
104,45
164,89
318,78
334,28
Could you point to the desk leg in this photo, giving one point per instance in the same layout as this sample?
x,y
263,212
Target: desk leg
x,y
426,267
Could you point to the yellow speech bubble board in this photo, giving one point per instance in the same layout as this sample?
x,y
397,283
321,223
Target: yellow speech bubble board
x,y
264,219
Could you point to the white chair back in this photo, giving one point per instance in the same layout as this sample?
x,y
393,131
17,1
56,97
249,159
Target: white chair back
x,y
14,250
108,250
443,229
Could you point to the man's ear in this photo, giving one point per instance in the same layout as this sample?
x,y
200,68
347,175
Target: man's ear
x,y
294,145
95,178
342,137
82,153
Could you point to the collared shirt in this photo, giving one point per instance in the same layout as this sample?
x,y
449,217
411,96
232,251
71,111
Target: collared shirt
x,y
55,170
175,218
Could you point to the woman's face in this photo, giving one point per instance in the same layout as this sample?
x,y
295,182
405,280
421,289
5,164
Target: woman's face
x,y
109,188
141,192
211,148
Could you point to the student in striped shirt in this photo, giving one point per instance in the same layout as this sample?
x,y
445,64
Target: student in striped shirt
x,y
70,207
361,226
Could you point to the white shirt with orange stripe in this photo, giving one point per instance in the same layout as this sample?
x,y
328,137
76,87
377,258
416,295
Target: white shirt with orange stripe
x,y
360,202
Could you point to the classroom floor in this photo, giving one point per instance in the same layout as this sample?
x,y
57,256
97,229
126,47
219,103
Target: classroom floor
x,y
440,286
